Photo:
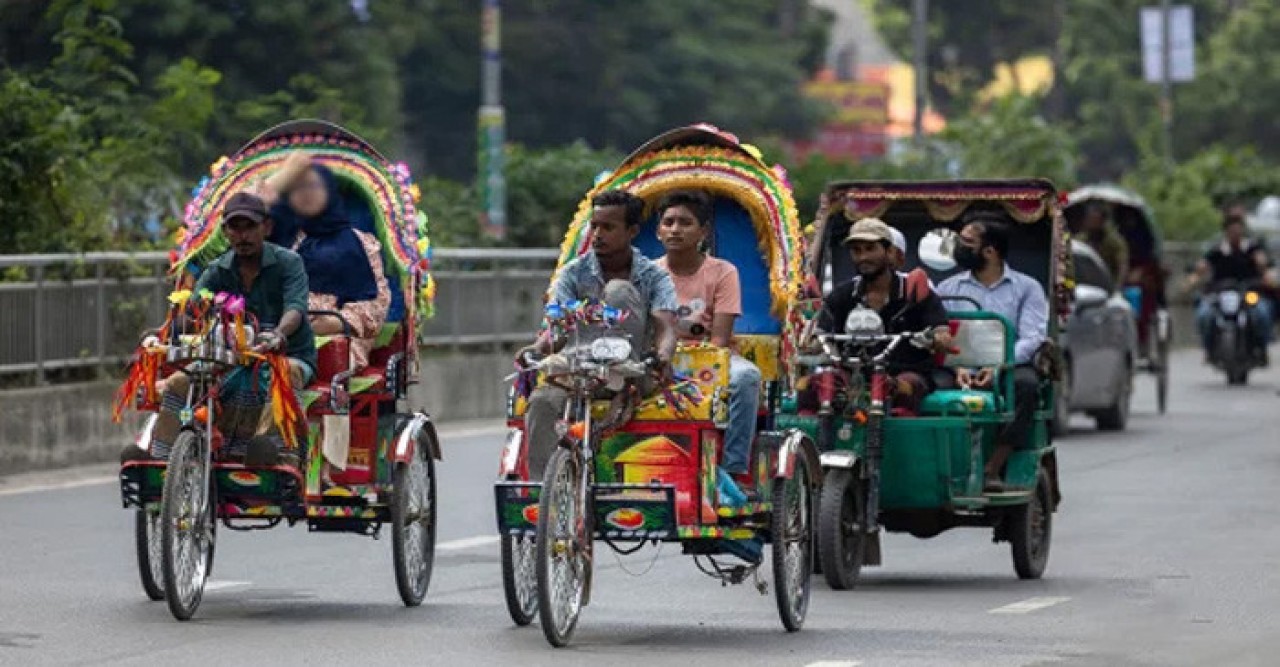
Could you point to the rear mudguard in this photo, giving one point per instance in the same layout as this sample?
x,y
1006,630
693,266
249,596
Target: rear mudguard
x,y
511,465
417,431
796,443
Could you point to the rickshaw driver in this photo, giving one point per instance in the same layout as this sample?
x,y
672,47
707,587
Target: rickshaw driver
x,y
1100,233
904,302
616,273
1236,258
982,250
710,297
274,284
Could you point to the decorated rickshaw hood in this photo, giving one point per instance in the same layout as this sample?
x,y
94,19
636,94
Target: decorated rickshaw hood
x,y
387,188
703,157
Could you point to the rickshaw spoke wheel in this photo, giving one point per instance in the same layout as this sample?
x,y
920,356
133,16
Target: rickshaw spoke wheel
x,y
562,547
147,544
413,526
186,517
841,540
520,577
791,526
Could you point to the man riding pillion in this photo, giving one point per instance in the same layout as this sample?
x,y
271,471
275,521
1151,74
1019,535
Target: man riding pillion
x,y
1235,258
619,275
905,304
273,283
710,299
982,250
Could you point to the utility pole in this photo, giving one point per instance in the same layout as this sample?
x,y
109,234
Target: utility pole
x,y
1166,81
920,45
492,124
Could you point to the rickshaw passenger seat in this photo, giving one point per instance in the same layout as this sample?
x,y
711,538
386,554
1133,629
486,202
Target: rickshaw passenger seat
x,y
332,357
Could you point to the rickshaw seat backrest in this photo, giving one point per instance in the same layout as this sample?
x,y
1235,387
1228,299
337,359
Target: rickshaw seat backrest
x,y
981,339
733,239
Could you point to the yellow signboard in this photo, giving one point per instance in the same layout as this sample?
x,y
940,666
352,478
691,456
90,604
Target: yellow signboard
x,y
855,102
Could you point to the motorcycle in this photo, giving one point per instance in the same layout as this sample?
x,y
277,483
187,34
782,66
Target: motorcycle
x,y
1234,347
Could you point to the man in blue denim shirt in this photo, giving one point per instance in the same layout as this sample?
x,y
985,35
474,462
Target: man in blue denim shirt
x,y
982,249
616,273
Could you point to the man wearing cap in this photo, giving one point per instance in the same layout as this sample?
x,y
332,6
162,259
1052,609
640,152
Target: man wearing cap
x,y
902,307
273,282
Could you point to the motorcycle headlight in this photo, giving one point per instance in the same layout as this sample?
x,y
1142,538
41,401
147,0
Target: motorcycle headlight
x,y
863,322
1251,298
1229,302
610,349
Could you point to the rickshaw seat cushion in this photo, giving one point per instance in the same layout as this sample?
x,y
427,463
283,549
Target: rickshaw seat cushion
x,y
764,351
390,341
980,343
958,402
333,354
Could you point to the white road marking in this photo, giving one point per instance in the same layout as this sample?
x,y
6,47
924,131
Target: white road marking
x,y
212,585
57,486
467,543
1029,605
834,663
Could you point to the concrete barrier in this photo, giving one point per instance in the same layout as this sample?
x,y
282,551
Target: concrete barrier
x,y
66,425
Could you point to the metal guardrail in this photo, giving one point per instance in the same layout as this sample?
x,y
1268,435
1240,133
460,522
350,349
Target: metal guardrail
x,y
87,310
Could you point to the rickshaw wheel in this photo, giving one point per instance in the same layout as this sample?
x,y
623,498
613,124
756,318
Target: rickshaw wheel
x,y
186,526
792,527
563,547
842,544
1031,530
1161,345
413,526
520,578
147,543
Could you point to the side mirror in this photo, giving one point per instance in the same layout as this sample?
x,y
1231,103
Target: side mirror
x,y
1088,296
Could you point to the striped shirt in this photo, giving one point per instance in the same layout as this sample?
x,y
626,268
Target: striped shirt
x,y
1015,296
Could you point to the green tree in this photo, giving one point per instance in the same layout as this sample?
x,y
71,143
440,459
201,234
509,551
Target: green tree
x,y
1010,139
544,187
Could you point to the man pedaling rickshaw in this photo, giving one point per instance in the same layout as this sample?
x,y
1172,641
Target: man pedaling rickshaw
x,y
904,302
614,272
273,282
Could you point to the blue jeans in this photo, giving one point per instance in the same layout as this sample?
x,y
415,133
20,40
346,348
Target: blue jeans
x,y
1261,316
744,400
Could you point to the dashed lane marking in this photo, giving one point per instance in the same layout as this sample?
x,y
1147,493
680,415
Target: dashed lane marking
x,y
1029,605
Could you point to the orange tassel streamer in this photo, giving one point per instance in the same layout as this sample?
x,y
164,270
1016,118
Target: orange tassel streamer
x,y
143,374
285,409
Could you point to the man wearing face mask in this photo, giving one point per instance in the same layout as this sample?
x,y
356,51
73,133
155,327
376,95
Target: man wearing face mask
x,y
982,248
902,306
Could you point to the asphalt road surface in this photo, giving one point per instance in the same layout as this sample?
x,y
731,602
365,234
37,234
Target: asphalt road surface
x,y
1166,551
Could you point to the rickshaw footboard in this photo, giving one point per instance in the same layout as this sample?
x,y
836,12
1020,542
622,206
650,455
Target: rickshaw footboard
x,y
623,512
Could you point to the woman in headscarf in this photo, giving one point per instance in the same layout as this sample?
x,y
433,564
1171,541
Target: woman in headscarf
x,y
344,264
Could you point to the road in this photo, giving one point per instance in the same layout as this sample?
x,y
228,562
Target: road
x,y
1165,553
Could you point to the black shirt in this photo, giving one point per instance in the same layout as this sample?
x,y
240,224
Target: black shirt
x,y
900,315
1229,263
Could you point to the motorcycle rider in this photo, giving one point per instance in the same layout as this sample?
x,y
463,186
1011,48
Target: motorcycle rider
x,y
1238,258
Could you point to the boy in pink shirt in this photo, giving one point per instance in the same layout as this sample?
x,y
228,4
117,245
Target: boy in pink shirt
x,y
710,299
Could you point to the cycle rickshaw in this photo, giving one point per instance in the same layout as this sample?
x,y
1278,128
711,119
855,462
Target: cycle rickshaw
x,y
1145,284
646,474
921,472
389,476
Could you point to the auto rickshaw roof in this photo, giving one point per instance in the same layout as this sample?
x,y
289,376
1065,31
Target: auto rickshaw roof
x,y
1109,193
312,126
1026,200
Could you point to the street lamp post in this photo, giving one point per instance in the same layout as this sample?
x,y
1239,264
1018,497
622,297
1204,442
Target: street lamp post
x,y
919,39
492,124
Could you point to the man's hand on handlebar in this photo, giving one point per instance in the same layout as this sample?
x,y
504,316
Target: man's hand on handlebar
x,y
269,341
528,355
659,367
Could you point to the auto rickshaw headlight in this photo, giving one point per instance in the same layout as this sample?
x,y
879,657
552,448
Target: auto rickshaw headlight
x,y
1251,298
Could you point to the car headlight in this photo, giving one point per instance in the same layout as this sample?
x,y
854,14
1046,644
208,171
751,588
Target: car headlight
x,y
863,322
610,349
